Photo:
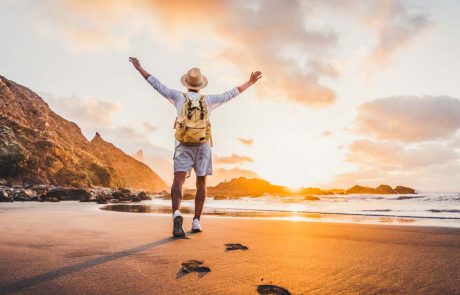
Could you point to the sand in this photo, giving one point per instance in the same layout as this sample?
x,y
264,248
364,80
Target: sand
x,y
75,248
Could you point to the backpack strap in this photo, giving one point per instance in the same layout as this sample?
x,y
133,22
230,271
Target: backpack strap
x,y
188,103
201,107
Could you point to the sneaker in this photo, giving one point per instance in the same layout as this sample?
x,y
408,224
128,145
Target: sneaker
x,y
196,226
178,231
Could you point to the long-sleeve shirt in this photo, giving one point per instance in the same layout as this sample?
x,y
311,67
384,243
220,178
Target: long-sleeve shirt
x,y
177,98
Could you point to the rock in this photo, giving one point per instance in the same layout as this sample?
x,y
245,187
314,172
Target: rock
x,y
28,193
125,191
143,196
24,195
188,196
113,201
384,189
136,200
185,196
54,199
219,197
68,194
89,198
357,189
121,195
4,197
165,196
311,198
404,190
101,200
40,189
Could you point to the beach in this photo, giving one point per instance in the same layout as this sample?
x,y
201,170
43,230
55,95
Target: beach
x,y
75,248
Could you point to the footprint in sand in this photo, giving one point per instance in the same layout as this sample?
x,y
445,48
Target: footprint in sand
x,y
194,266
232,247
272,290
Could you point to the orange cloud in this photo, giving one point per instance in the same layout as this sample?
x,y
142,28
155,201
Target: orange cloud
x,y
326,133
391,156
409,118
233,159
271,35
246,141
281,38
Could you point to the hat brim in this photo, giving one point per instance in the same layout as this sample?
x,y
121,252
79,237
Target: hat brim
x,y
188,86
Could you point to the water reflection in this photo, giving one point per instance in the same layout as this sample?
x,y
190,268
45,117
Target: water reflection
x,y
207,211
289,215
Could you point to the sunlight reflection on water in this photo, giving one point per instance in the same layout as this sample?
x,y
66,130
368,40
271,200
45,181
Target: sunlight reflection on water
x,y
296,216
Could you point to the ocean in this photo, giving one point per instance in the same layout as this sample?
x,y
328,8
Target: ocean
x,y
430,209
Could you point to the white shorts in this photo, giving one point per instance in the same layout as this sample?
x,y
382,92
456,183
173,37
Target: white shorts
x,y
198,157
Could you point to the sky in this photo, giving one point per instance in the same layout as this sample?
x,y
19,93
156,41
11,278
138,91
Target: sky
x,y
353,92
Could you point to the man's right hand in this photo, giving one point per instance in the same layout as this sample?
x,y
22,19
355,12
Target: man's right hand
x,y
135,62
138,67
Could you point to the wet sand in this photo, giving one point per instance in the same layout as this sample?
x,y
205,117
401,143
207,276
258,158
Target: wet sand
x,y
75,248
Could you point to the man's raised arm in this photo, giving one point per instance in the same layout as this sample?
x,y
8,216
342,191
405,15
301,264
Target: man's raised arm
x,y
138,67
216,100
169,94
252,79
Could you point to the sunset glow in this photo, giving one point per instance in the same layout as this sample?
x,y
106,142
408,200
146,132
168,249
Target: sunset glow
x,y
367,93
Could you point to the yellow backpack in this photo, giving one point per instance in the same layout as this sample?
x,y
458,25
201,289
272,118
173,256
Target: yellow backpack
x,y
193,125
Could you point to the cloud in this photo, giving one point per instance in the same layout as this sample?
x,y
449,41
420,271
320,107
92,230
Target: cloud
x,y
246,141
281,38
273,36
85,26
149,127
86,111
326,133
409,118
233,159
390,156
414,142
422,165
395,26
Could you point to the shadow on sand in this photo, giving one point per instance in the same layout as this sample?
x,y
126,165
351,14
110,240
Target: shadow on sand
x,y
20,285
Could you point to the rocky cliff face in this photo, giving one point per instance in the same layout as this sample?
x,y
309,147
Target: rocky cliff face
x,y
39,146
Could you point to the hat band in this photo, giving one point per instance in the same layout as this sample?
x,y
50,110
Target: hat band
x,y
194,84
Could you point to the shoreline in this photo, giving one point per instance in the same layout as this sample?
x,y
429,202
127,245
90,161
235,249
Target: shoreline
x,y
248,214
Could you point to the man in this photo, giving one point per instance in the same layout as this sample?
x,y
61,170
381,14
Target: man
x,y
193,135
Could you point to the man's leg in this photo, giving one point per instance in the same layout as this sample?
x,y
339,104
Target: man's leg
x,y
176,197
176,189
200,196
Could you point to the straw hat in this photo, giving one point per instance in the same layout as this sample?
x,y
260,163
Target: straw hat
x,y
194,79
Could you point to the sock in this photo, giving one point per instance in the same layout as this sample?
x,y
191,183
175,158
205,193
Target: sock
x,y
176,213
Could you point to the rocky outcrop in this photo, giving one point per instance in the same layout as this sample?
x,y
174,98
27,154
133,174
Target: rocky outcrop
x,y
384,189
69,194
255,187
357,189
381,189
404,190
144,196
39,146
